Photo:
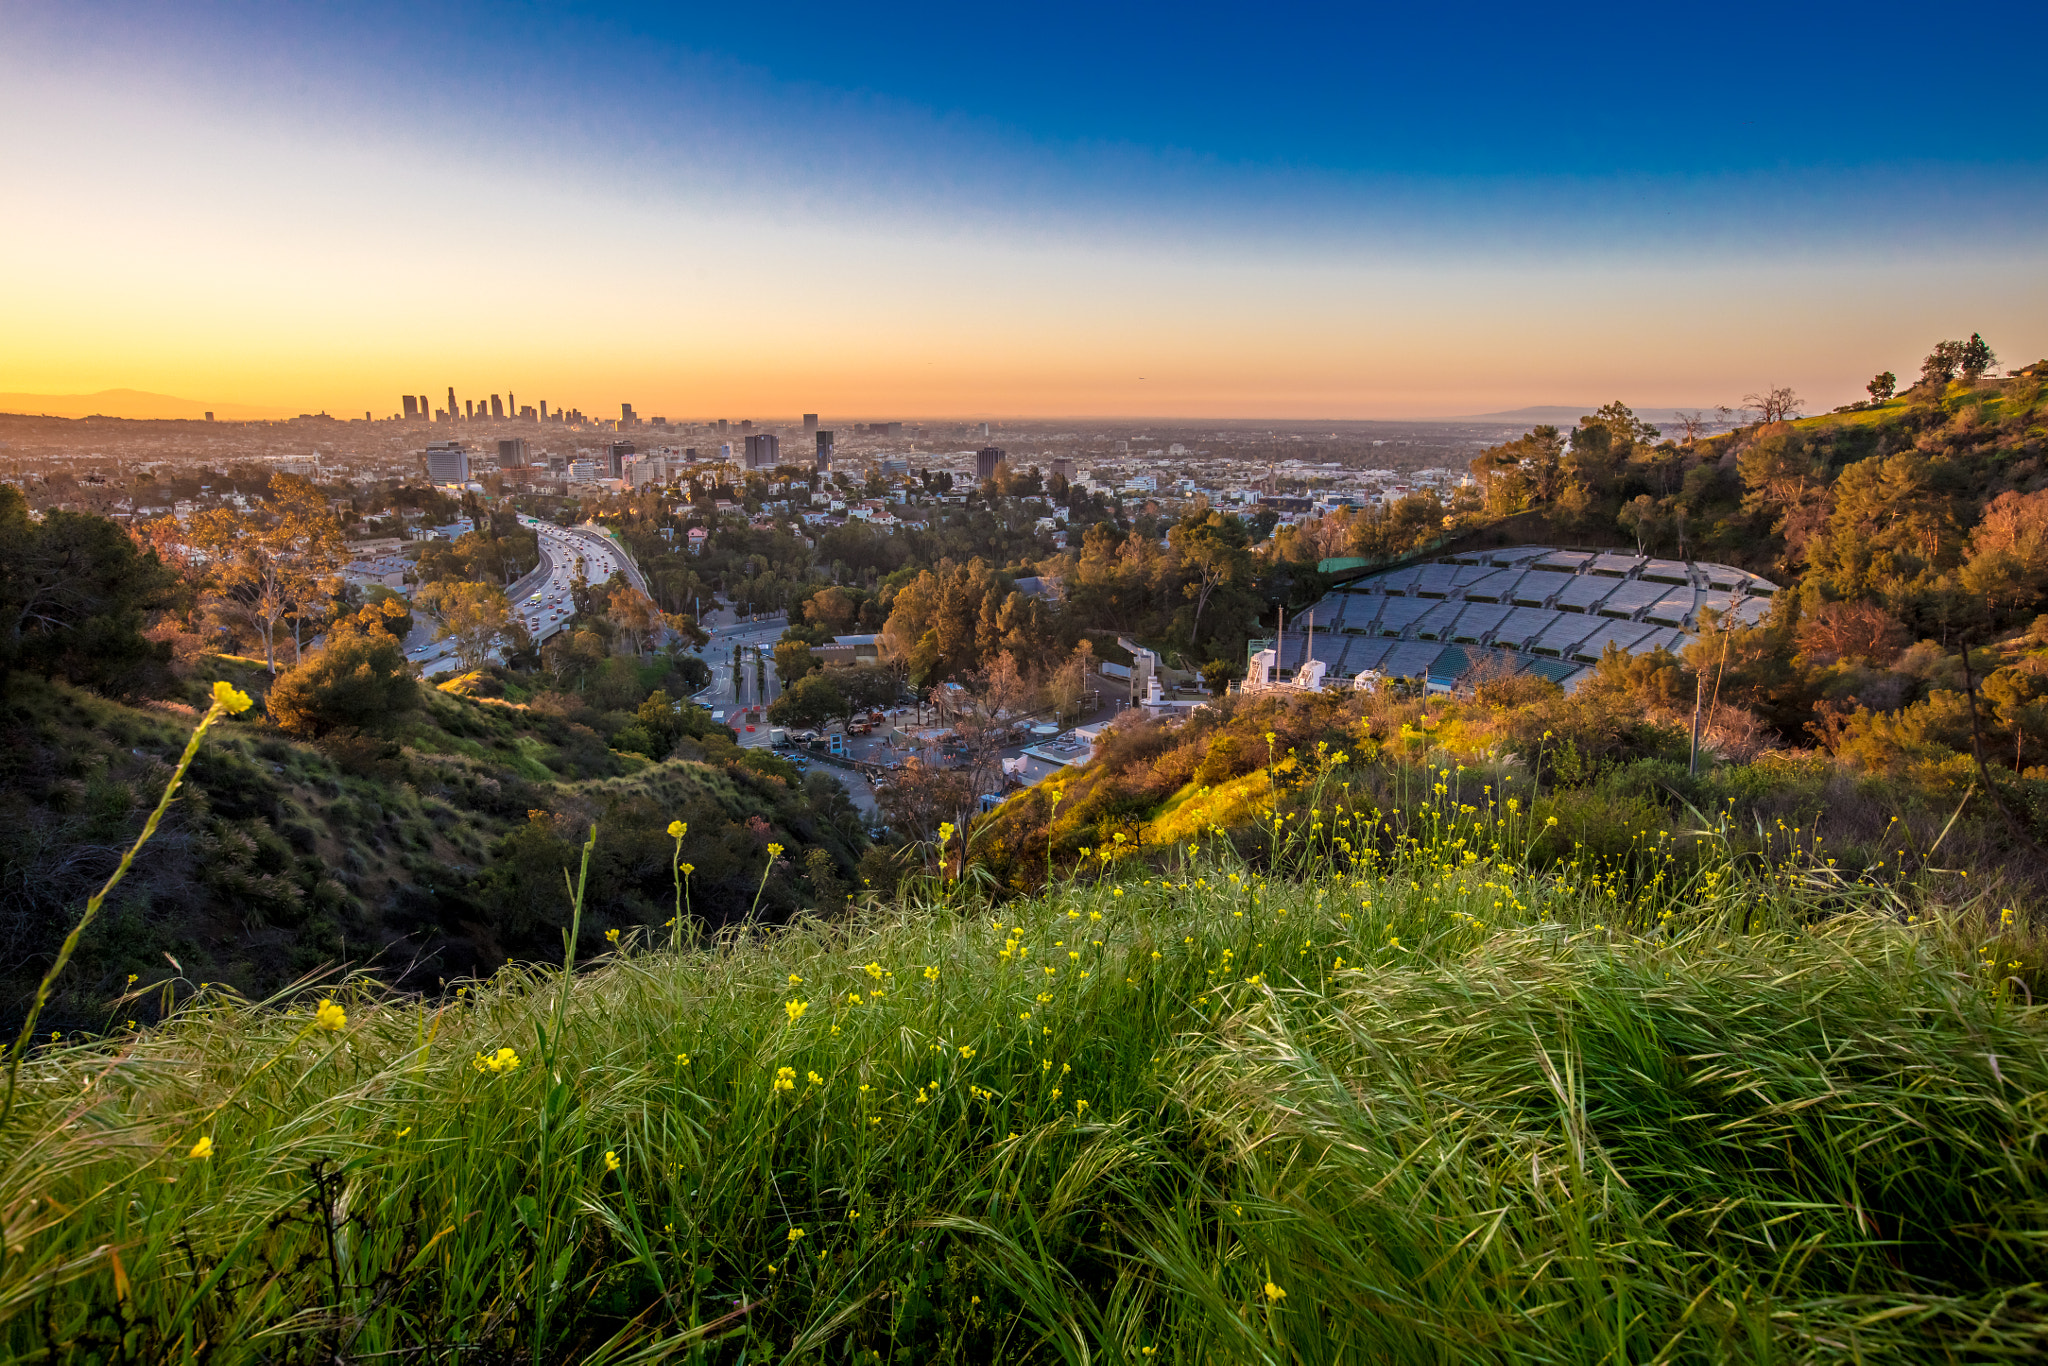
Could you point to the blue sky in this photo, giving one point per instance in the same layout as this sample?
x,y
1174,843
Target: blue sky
x,y
1258,190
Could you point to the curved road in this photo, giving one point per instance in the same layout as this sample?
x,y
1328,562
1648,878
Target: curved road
x,y
562,551
617,550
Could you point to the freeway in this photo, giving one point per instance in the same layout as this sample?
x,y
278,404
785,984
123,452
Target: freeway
x,y
547,608
615,554
541,601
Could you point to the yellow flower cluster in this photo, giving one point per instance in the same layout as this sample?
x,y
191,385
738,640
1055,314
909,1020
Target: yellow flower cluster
x,y
500,1062
330,1017
231,700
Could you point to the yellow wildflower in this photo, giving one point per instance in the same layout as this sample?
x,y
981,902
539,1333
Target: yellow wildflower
x,y
234,702
330,1017
203,1149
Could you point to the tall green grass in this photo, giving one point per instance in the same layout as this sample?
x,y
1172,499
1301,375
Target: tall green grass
x,y
1393,1099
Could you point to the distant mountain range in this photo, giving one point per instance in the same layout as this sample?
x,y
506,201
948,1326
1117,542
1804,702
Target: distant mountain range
x,y
131,403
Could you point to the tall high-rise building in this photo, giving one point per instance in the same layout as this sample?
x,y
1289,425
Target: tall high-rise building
x,y
526,414
626,418
764,451
721,426
511,407
824,450
447,463
620,450
426,411
452,409
543,410
985,461
412,406
1062,468
469,410
747,424
497,408
810,424
984,431
512,454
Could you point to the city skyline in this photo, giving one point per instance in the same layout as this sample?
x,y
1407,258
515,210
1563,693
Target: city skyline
x,y
1176,213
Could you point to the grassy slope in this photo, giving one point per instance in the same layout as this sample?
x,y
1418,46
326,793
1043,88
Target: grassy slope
x,y
283,857
1448,1110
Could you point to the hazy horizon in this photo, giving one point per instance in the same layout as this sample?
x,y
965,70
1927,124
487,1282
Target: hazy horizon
x,y
139,405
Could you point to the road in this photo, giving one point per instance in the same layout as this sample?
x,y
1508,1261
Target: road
x,y
592,540
722,696
541,601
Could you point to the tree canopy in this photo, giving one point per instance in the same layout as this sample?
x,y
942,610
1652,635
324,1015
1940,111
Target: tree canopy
x,y
75,591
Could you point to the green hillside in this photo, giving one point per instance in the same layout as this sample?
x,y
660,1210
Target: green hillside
x,y
430,846
1388,1095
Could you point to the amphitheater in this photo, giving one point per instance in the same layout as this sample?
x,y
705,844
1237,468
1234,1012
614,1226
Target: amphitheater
x,y
1530,608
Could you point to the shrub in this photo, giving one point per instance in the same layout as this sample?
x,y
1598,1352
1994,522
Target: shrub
x,y
359,682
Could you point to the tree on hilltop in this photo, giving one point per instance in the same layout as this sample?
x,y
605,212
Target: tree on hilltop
x,y
1779,404
1882,387
1520,474
1948,359
1976,357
